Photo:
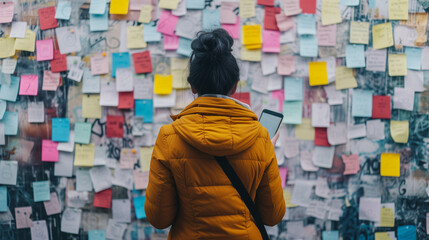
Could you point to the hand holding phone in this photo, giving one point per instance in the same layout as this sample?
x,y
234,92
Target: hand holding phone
x,y
271,121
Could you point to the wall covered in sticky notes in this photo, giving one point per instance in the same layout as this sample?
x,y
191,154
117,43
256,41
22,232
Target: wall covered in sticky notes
x,y
87,84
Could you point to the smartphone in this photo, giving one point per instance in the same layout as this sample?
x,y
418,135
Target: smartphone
x,y
271,121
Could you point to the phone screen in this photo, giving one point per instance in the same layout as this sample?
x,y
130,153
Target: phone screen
x,y
271,122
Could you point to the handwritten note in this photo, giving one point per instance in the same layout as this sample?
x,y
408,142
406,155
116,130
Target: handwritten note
x,y
60,129
292,7
381,107
270,22
351,163
399,130
49,151
115,126
167,23
304,131
318,73
6,12
41,191
27,43
135,37
128,158
144,108
39,230
292,111
414,57
397,64
327,35
70,220
382,35
8,172
50,81
63,10
359,32
330,12
362,103
284,22
271,41
22,217
47,18
103,199
84,155
387,215
321,137
252,36
52,206
142,62
306,24
355,56
344,78
369,209
101,178
91,106
99,22
29,85
141,179
145,14
120,60
308,46
108,94
82,132
398,9
403,98
99,64
376,60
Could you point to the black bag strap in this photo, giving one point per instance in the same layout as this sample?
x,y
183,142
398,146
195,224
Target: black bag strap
x,y
238,185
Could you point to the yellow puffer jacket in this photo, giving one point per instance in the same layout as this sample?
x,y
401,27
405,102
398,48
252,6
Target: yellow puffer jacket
x,y
189,190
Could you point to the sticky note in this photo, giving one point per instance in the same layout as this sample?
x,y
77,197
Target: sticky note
x,y
247,8
184,47
407,232
63,10
321,137
397,64
399,130
270,22
285,65
47,18
115,126
9,93
349,2
82,132
120,60
97,7
211,18
22,217
227,12
27,43
344,78
414,57
390,164
330,12
18,29
96,235
41,191
252,36
144,108
398,9
45,49
142,62
355,56
308,46
167,23
99,64
306,24
103,199
60,129
150,34
119,7
327,35
84,155
387,215
293,88
29,85
49,151
382,35
50,81
284,22
403,98
292,7
139,206
135,37
318,73
292,111
126,100
10,121
359,32
3,199
59,63
362,103
330,235
8,172
145,14
351,163
304,131
91,106
6,12
381,107
385,236
7,50
53,205
163,84
99,22
271,41
124,81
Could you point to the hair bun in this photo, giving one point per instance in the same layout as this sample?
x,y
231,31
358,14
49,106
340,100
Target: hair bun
x,y
215,43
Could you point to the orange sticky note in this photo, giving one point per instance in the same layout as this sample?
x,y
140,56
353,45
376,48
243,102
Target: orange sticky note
x,y
163,84
390,164
318,73
119,6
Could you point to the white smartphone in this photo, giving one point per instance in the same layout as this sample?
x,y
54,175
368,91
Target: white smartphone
x,y
271,121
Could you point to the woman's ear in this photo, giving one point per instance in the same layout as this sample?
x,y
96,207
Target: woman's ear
x,y
233,90
194,91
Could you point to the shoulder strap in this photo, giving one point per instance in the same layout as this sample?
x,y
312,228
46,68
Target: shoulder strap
x,y
238,185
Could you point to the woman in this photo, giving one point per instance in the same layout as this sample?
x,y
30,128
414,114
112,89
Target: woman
x,y
187,188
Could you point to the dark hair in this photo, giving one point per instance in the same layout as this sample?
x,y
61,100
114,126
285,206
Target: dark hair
x,y
213,69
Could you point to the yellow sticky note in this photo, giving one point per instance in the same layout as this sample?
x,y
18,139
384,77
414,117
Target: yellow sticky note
x,y
398,9
135,37
344,78
251,55
399,130
163,84
331,12
359,32
305,131
179,71
287,197
7,47
382,236
252,36
168,4
387,217
390,164
27,43
382,36
247,8
398,65
145,14
145,156
91,106
84,155
318,73
119,6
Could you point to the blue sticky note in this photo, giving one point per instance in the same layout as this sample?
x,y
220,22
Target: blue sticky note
x,y
139,207
292,111
362,103
83,180
60,129
150,34
330,235
9,93
144,108
355,56
414,58
99,22
10,120
3,105
120,60
308,46
96,235
306,24
349,2
63,10
184,47
82,132
97,7
195,4
3,199
41,191
211,18
407,232
293,88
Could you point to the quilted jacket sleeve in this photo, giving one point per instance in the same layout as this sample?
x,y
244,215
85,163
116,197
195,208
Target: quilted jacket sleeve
x,y
161,198
269,196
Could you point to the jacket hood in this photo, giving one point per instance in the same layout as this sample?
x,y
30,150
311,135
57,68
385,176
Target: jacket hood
x,y
217,126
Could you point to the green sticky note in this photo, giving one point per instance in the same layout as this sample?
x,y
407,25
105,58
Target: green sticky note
x,y
41,191
82,132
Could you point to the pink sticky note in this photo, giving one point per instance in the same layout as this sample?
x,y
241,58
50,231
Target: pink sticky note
x,y
99,64
271,41
45,49
227,14
6,12
284,22
351,164
22,217
141,179
327,35
167,23
29,85
49,151
279,95
50,80
283,175
285,65
52,206
233,29
171,42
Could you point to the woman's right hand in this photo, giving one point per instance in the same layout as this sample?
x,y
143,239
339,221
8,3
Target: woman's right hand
x,y
274,139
